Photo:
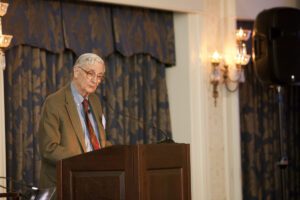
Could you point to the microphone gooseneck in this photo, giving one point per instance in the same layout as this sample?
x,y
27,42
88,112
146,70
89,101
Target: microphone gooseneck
x,y
167,138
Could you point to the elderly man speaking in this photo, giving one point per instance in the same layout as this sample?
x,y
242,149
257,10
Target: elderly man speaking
x,y
71,120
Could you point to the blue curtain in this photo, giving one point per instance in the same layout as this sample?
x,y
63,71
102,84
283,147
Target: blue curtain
x,y
40,59
137,102
31,74
260,137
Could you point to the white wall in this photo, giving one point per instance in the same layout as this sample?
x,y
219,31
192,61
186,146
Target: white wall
x,y
179,88
212,131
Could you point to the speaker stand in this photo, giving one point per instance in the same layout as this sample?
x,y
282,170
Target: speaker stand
x,y
283,162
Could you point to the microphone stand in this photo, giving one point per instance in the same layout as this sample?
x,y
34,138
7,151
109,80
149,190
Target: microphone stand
x,y
31,194
167,139
283,162
12,194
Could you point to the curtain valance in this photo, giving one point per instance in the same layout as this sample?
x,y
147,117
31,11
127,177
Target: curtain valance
x,y
144,30
57,25
35,23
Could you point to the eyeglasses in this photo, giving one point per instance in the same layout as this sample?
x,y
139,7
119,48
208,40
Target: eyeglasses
x,y
91,75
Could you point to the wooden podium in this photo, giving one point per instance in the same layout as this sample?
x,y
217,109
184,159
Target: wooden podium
x,y
127,172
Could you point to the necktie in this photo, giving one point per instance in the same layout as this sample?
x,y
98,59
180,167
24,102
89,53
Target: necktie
x,y
89,126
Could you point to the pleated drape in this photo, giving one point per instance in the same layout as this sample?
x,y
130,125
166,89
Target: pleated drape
x,y
31,74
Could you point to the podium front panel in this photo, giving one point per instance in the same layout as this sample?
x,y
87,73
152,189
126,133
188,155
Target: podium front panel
x,y
165,184
164,172
98,185
127,172
101,174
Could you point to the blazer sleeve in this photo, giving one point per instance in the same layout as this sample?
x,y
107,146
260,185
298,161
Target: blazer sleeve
x,y
49,135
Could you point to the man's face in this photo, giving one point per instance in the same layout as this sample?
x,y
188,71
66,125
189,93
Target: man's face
x,y
88,77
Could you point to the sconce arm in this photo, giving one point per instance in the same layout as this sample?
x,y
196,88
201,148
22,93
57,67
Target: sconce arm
x,y
232,89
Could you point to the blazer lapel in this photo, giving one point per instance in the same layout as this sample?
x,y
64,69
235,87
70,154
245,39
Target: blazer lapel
x,y
73,114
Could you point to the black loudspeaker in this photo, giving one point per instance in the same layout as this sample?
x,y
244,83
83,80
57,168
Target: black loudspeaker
x,y
276,46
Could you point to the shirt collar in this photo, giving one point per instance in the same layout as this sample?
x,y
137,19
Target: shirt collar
x,y
77,97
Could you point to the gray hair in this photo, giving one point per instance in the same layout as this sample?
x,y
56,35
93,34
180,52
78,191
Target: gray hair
x,y
88,59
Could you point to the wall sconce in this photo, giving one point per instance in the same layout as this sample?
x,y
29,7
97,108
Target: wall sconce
x,y
242,57
4,39
215,77
221,74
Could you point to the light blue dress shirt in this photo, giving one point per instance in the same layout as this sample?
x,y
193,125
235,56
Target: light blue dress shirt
x,y
78,101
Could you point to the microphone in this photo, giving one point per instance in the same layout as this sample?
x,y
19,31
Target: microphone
x,y
167,139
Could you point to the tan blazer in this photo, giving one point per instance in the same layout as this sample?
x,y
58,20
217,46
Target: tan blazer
x,y
60,132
